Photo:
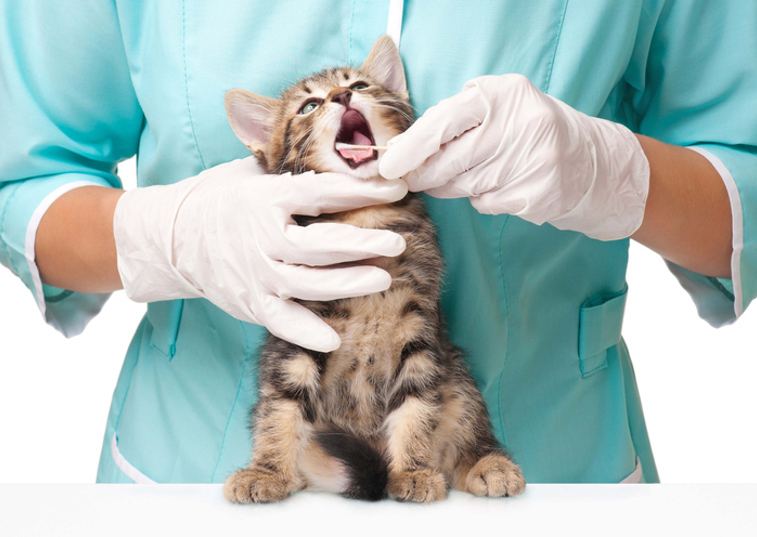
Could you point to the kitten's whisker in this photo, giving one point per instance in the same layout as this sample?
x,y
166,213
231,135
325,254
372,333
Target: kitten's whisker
x,y
400,112
304,150
395,109
395,101
306,135
295,143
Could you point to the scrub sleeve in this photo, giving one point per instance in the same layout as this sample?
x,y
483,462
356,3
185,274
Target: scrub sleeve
x,y
699,89
69,114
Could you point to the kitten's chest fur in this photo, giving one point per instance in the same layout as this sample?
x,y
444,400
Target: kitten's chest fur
x,y
374,329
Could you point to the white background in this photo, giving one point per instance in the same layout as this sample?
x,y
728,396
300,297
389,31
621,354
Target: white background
x,y
697,383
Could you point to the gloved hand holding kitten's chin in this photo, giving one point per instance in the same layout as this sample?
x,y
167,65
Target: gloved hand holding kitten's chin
x,y
228,235
514,150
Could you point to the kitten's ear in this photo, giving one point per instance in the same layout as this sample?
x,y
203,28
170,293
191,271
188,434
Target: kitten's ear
x,y
385,66
251,117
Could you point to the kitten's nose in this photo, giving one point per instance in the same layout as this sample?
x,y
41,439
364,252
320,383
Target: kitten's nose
x,y
343,97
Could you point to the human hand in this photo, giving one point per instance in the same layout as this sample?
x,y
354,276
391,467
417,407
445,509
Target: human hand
x,y
228,235
512,149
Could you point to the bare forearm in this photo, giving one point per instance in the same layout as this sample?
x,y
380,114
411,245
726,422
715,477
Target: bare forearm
x,y
75,248
688,215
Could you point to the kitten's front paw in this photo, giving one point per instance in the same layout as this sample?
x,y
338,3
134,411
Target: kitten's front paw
x,y
417,486
255,486
495,475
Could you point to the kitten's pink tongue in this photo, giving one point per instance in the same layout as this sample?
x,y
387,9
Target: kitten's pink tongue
x,y
357,154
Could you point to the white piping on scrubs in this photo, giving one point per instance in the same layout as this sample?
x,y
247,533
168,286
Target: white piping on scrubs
x,y
738,225
31,237
635,476
126,467
394,22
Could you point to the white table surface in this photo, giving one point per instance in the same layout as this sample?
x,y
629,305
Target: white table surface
x,y
169,510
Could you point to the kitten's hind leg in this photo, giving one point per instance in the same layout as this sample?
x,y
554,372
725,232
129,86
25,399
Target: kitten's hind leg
x,y
478,465
410,434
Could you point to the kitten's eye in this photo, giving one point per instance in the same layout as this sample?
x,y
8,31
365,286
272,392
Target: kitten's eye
x,y
309,107
359,86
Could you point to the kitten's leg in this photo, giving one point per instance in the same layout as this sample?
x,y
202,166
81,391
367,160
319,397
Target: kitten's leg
x,y
282,426
494,475
409,427
478,466
272,475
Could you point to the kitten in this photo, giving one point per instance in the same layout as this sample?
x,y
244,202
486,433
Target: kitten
x,y
394,408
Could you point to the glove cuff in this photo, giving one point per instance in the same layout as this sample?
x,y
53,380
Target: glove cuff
x,y
143,228
613,206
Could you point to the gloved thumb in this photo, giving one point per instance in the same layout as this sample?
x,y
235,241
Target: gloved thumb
x,y
438,126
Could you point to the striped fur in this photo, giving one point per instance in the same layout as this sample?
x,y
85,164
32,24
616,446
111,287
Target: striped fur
x,y
396,389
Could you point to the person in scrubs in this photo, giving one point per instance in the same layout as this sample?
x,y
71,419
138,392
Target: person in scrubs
x,y
549,134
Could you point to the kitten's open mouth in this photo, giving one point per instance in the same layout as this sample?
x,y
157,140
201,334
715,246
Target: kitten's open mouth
x,y
354,130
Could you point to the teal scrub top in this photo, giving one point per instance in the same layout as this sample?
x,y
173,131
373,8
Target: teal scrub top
x,y
87,83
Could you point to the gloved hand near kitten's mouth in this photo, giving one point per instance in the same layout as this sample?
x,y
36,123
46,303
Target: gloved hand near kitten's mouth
x,y
228,235
514,150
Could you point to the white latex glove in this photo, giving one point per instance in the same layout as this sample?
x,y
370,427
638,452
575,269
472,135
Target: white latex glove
x,y
512,149
228,235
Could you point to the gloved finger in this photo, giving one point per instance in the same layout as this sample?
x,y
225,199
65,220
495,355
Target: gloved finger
x,y
455,160
330,243
436,127
317,193
332,283
297,324
481,186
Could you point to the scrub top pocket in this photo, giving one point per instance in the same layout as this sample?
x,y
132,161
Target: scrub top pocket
x,y
165,318
600,323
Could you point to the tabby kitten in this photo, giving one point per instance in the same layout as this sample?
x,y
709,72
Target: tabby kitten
x,y
394,408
